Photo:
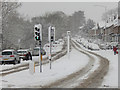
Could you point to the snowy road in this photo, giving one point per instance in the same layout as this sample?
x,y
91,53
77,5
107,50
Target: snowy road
x,y
89,76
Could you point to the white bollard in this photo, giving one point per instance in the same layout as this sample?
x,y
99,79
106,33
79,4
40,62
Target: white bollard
x,y
68,44
31,67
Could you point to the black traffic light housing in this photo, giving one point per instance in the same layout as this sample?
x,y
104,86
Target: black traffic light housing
x,y
37,32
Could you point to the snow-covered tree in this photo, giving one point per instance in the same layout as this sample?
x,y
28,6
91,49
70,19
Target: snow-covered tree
x,y
110,15
76,20
7,9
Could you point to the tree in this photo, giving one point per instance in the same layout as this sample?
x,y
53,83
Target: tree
x,y
57,19
76,20
90,24
110,15
7,9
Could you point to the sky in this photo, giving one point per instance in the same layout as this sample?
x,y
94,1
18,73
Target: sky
x,y
92,10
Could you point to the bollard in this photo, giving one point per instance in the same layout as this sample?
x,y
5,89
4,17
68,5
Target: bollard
x,y
32,67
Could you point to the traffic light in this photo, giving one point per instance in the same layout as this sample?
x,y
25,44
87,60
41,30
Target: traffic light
x,y
38,32
68,33
51,36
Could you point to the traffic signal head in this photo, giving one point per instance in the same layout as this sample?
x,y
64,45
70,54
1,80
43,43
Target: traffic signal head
x,y
68,33
37,32
51,32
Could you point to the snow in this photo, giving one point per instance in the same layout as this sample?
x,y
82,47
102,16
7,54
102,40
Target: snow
x,y
111,79
57,48
60,69
63,67
101,24
110,23
9,66
87,44
96,65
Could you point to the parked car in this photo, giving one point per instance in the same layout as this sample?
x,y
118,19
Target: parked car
x,y
103,46
36,51
24,54
9,56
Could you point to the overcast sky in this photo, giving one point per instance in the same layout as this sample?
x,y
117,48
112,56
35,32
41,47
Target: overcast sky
x,y
92,11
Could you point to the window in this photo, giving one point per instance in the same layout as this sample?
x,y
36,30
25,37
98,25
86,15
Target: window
x,y
7,53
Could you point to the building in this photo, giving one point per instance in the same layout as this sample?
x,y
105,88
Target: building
x,y
108,33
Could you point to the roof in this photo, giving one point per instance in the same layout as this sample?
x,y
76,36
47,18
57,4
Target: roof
x,y
8,50
23,50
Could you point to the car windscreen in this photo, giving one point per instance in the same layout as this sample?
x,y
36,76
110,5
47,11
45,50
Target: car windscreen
x,y
36,48
21,51
7,53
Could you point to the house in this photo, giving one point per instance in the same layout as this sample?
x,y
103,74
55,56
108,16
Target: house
x,y
109,33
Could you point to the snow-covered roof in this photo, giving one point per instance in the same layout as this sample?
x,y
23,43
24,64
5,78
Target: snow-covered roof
x,y
115,22
22,50
8,50
95,27
81,27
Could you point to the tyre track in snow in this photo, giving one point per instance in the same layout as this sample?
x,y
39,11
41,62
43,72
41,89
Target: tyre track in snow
x,y
26,66
94,80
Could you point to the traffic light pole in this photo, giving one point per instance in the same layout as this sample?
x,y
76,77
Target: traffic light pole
x,y
40,59
50,58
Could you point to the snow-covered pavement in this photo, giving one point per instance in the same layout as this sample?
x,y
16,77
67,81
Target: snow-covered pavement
x,y
111,79
9,66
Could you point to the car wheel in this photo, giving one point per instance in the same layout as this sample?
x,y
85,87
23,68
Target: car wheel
x,y
19,61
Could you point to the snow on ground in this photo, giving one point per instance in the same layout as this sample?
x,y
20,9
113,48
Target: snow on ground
x,y
57,48
96,65
8,66
87,44
111,79
60,69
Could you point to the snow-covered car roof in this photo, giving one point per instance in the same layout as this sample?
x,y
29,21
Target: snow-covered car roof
x,y
8,50
23,50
